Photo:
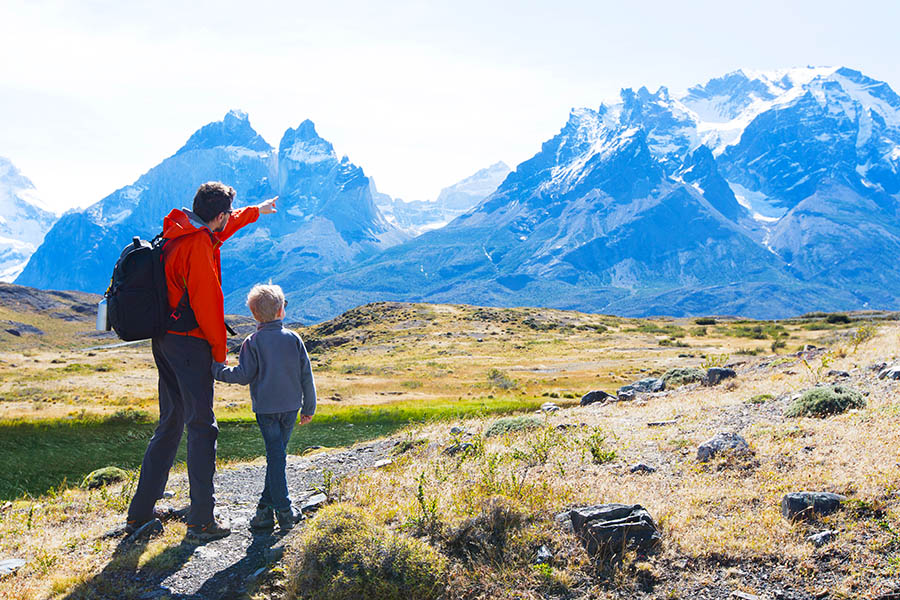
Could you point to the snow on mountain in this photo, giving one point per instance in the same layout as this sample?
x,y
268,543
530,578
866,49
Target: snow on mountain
x,y
24,220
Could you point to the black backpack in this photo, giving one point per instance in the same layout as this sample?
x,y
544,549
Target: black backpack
x,y
137,298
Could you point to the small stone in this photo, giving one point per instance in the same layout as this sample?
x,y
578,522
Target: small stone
x,y
890,372
313,503
457,430
625,395
168,494
595,396
151,528
719,442
837,374
10,565
642,468
549,407
745,596
799,505
821,538
544,555
457,448
383,463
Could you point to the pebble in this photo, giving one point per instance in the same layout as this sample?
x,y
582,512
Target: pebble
x,y
821,538
642,468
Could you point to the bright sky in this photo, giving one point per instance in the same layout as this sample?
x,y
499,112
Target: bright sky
x,y
421,94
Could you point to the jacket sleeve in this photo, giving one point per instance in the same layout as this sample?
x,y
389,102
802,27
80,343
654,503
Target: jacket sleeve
x,y
306,382
239,218
206,298
246,369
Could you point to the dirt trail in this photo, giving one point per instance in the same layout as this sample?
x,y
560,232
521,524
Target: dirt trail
x,y
223,568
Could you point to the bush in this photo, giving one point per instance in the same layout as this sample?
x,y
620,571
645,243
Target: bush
x,y
681,376
837,318
705,321
761,398
498,378
102,477
510,424
342,555
487,534
824,401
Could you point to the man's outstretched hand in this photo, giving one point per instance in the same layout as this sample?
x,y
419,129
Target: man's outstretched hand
x,y
268,207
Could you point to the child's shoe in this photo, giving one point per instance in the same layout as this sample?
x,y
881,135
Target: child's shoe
x,y
263,519
288,517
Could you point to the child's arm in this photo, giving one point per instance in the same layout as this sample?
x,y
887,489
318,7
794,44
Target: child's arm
x,y
244,372
308,384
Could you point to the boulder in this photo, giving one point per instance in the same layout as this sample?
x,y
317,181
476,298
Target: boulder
x,y
313,503
607,528
719,442
625,395
549,407
803,505
644,386
596,396
716,375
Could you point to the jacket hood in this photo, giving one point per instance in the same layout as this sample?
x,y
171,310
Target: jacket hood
x,y
181,222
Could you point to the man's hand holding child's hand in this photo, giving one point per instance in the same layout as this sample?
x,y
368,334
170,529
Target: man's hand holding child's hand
x,y
304,419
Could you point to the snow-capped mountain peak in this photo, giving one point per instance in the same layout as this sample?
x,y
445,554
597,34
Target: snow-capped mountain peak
x,y
24,220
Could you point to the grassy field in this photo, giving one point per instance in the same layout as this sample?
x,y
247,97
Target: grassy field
x,y
67,407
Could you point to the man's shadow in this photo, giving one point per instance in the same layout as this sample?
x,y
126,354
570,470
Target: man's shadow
x,y
122,577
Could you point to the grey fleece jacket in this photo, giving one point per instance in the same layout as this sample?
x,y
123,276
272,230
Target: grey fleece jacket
x,y
273,360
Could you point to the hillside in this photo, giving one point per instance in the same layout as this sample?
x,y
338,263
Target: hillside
x,y
475,498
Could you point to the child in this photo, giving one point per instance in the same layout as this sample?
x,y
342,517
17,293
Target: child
x,y
273,361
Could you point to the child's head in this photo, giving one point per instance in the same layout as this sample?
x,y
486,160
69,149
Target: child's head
x,y
266,302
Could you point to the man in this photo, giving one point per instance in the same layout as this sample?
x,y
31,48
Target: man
x,y
183,358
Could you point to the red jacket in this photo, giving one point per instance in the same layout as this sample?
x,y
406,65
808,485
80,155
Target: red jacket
x,y
193,263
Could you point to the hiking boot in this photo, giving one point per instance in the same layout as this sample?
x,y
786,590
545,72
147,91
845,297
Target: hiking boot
x,y
263,519
288,517
200,534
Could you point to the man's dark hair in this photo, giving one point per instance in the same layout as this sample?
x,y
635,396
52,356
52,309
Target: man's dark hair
x,y
212,198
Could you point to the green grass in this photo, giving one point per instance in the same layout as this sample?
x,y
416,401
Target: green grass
x,y
39,455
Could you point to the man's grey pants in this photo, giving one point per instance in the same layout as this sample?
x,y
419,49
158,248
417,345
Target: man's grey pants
x,y
185,398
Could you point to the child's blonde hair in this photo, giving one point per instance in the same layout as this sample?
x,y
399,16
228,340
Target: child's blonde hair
x,y
265,302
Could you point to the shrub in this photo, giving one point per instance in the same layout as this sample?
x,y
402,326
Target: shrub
x,y
824,401
487,534
102,477
498,378
510,424
408,444
343,555
681,376
761,398
837,318
705,321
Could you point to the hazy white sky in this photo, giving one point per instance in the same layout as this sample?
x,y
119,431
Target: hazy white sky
x,y
420,94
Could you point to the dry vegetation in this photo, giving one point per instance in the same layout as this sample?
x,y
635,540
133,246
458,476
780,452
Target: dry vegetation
x,y
721,524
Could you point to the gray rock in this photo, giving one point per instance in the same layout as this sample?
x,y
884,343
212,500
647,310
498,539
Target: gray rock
x,y
549,407
607,528
642,468
544,555
313,503
457,448
821,538
647,385
457,430
596,396
719,442
716,375
889,372
151,528
10,565
383,463
626,395
837,374
802,505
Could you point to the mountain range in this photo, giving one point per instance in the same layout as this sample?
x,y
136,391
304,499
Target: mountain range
x,y
764,194
24,220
